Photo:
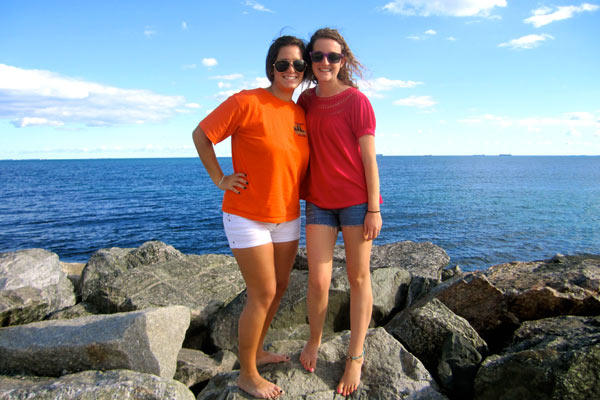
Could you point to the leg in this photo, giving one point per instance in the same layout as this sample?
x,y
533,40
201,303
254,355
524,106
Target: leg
x,y
285,254
358,253
320,240
257,267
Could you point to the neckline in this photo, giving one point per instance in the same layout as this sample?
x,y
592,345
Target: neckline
x,y
335,96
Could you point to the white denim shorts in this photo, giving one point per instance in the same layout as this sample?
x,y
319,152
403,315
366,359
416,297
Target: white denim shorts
x,y
243,232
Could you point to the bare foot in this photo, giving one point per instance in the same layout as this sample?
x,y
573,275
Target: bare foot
x,y
266,357
257,386
308,357
351,378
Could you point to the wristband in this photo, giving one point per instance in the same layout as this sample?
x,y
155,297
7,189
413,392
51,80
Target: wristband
x,y
221,180
374,212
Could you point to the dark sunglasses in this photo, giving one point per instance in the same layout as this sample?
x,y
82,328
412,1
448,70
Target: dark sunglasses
x,y
283,65
333,58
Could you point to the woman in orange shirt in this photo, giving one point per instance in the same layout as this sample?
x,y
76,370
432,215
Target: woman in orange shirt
x,y
261,207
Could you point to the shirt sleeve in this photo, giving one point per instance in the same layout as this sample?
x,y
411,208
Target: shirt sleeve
x,y
223,121
363,116
302,100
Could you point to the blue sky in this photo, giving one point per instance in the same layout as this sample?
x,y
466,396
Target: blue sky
x,y
83,79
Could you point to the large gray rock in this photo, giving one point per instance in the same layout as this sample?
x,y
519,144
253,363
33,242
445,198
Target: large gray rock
x,y
157,275
389,372
96,385
429,329
145,341
423,260
32,285
477,300
563,285
390,286
194,366
553,358
496,301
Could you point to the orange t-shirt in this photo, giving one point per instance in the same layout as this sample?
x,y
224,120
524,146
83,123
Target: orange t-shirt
x,y
268,144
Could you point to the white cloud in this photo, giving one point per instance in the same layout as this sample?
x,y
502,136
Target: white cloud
x,y
256,6
189,66
209,62
149,32
184,25
374,87
451,38
229,77
38,97
416,101
546,15
430,32
454,8
526,42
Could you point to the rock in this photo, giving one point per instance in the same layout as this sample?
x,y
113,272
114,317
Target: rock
x,y
145,341
425,328
563,285
193,366
390,286
339,258
477,300
424,261
157,275
32,285
389,372
97,385
553,358
457,366
76,311
73,272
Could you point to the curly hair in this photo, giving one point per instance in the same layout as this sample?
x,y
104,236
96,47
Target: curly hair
x,y
351,68
273,52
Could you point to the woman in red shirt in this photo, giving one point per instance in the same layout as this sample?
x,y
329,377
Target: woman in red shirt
x,y
342,193
261,204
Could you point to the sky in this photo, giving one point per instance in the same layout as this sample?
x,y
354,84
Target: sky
x,y
122,79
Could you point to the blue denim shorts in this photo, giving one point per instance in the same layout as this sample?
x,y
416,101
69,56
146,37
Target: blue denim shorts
x,y
336,217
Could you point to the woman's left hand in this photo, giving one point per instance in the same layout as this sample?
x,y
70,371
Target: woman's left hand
x,y
372,225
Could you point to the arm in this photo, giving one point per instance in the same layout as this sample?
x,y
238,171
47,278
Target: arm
x,y
373,221
206,151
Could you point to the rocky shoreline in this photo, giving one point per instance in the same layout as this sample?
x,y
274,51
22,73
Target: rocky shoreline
x,y
153,323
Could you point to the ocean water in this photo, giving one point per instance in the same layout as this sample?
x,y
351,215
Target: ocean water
x,y
481,210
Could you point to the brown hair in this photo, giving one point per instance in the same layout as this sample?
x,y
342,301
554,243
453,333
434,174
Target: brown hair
x,y
273,52
351,68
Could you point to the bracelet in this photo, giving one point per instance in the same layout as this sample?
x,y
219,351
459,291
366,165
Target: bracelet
x,y
221,180
374,212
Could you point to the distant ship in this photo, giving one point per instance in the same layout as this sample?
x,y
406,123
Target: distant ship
x,y
505,155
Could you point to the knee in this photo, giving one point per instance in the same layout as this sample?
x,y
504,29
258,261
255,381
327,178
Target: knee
x,y
319,284
359,280
263,297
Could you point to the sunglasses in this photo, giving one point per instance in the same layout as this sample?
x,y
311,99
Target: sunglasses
x,y
333,58
283,65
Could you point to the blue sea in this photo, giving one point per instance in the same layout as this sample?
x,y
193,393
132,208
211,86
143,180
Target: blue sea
x,y
483,210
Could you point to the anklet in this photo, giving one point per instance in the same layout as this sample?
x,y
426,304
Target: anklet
x,y
358,357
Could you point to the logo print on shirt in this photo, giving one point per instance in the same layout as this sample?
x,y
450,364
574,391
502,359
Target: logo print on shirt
x,y
298,128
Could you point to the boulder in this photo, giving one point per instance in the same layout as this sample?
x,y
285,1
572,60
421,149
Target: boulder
x,y
553,358
483,305
389,372
563,285
157,275
97,385
424,261
145,341
429,329
194,366
32,285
